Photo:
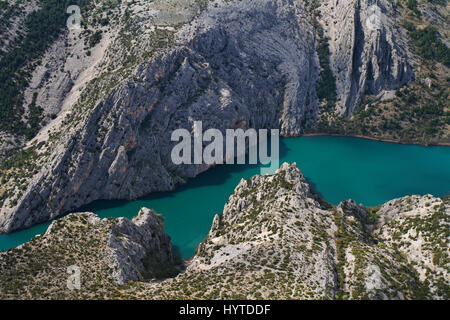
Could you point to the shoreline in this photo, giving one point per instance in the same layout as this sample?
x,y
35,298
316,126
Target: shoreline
x,y
436,144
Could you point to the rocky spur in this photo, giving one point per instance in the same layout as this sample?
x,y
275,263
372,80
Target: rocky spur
x,y
196,310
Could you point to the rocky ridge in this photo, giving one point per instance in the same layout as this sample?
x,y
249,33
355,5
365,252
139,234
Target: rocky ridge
x,y
109,252
275,239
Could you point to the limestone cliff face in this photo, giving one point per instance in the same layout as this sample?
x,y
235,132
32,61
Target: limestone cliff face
x,y
108,252
243,64
140,249
368,51
275,239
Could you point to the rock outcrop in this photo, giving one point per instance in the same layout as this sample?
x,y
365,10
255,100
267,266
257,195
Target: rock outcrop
x,y
108,252
275,239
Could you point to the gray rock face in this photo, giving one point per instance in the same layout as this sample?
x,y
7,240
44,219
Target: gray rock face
x,y
139,249
247,64
107,253
50,84
424,242
368,52
351,208
133,250
263,226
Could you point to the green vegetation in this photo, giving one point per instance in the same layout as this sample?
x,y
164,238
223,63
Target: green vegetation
x,y
7,11
326,86
28,263
418,113
438,2
95,39
412,5
428,44
35,116
42,29
18,167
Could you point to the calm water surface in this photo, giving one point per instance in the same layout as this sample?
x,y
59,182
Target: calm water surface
x,y
339,168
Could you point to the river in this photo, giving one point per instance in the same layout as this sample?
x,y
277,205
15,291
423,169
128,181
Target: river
x,y
338,168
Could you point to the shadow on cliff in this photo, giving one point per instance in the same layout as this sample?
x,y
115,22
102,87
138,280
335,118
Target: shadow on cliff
x,y
216,176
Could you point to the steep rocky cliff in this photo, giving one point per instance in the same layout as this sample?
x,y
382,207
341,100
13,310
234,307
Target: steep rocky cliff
x,y
108,252
125,84
368,52
275,239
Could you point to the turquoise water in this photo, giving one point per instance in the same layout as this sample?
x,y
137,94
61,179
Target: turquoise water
x,y
339,168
